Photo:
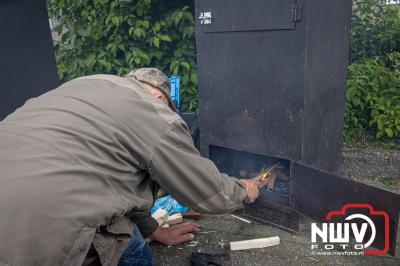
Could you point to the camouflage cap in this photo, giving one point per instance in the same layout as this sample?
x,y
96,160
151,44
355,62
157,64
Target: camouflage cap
x,y
155,78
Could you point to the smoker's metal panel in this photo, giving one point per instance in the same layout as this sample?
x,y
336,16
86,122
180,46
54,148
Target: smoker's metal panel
x,y
328,37
251,93
246,15
273,214
27,63
275,92
315,193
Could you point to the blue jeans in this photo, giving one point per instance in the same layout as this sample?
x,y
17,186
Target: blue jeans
x,y
138,252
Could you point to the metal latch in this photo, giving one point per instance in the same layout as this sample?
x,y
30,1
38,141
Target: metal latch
x,y
205,18
296,12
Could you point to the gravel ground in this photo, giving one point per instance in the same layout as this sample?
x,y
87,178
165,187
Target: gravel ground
x,y
375,167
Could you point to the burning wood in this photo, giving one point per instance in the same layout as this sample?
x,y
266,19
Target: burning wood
x,y
271,180
267,177
284,177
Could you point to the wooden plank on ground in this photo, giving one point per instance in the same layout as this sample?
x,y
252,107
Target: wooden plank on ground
x,y
255,243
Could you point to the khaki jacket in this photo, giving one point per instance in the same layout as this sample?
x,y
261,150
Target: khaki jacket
x,y
79,161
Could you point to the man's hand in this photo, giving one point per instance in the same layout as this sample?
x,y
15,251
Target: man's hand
x,y
252,190
176,234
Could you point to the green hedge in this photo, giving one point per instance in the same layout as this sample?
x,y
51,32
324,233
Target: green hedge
x,y
373,98
373,95
116,36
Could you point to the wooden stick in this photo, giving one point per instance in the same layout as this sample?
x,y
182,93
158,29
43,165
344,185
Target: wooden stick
x,y
263,177
191,215
312,259
255,243
283,177
241,219
271,180
160,216
175,219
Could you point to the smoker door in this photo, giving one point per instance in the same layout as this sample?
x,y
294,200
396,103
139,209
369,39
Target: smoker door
x,y
315,193
250,57
244,15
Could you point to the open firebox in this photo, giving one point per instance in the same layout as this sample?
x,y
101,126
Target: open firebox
x,y
272,81
273,203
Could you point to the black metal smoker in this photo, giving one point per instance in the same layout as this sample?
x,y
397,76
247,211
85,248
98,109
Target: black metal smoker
x,y
272,80
27,63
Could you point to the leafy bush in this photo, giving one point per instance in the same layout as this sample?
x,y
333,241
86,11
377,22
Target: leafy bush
x,y
116,36
373,95
375,29
373,98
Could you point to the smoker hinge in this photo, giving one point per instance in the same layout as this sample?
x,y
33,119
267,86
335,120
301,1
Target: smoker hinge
x,y
296,12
